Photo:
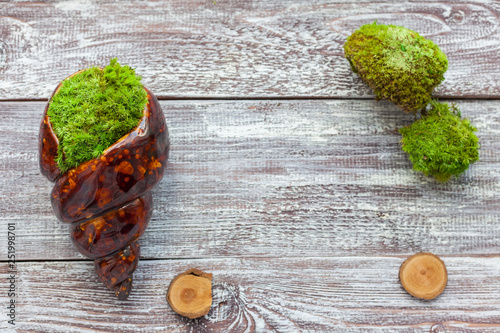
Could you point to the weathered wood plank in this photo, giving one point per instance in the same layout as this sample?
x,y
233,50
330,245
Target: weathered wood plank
x,y
276,179
260,295
237,48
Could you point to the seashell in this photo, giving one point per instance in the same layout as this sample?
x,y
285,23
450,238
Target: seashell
x,y
108,199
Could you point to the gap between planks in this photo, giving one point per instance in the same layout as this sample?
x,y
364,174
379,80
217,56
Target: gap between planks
x,y
470,256
277,98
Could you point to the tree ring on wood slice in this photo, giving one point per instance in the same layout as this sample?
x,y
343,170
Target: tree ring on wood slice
x,y
190,293
423,275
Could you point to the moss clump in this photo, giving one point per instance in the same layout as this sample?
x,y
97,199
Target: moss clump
x,y
441,144
93,109
397,63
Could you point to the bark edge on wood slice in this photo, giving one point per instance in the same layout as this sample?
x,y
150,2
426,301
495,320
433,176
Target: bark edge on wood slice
x,y
423,275
190,293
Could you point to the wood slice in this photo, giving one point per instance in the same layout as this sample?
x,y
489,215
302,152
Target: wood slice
x,y
190,293
423,275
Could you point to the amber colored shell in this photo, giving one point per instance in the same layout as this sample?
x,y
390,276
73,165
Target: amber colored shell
x,y
126,170
108,199
101,236
116,268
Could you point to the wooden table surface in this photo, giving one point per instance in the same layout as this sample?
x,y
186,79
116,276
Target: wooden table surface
x,y
286,179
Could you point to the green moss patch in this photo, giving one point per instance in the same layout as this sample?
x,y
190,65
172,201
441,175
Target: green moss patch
x,y
441,144
397,63
93,109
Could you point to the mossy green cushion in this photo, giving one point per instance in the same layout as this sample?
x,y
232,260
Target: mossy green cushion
x,y
93,109
441,144
397,63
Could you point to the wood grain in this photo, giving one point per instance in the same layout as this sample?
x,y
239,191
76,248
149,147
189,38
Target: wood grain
x,y
236,48
260,295
303,209
295,178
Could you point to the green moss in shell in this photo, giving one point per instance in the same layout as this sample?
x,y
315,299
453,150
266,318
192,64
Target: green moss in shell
x,y
441,143
93,109
397,63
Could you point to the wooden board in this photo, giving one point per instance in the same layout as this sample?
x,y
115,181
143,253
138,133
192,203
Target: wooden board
x,y
277,179
261,295
286,179
236,48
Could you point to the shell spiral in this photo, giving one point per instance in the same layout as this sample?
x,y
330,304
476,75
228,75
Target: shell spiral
x,y
108,200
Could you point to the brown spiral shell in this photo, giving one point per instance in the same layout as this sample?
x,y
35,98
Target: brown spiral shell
x,y
107,200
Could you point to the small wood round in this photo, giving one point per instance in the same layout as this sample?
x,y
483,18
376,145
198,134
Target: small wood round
x,y
423,275
190,293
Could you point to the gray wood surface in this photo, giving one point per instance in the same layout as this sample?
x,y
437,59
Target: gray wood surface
x,y
349,294
278,178
236,48
286,179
